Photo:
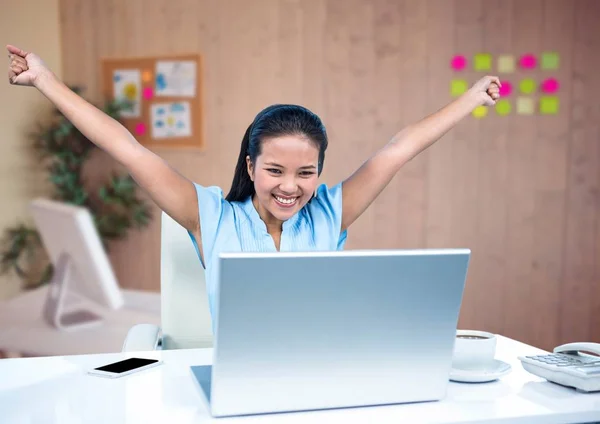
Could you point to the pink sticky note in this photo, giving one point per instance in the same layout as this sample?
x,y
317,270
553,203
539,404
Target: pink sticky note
x,y
140,128
458,62
148,93
550,85
528,61
506,88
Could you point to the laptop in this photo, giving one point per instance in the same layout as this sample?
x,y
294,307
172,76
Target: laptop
x,y
320,330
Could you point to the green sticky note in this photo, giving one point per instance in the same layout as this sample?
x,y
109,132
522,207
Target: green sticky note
x,y
525,106
480,111
527,86
548,105
503,107
506,64
550,60
483,62
458,87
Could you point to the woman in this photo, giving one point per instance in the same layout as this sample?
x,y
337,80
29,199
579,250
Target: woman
x,y
275,202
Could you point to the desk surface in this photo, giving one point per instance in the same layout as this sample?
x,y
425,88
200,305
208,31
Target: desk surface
x,y
23,330
57,390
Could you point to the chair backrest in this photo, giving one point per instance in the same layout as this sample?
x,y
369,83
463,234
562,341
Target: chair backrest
x,y
185,316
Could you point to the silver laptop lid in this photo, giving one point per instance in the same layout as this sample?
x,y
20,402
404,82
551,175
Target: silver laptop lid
x,y
301,331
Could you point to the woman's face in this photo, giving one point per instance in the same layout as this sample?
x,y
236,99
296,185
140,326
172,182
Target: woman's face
x,y
285,176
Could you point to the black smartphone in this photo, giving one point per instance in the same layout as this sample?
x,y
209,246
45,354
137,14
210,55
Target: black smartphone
x,y
125,367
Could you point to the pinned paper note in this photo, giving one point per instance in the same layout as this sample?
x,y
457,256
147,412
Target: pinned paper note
x,y
506,89
171,120
527,86
127,86
140,128
528,61
458,87
483,62
503,107
176,78
548,105
550,60
480,111
550,86
525,106
506,64
458,63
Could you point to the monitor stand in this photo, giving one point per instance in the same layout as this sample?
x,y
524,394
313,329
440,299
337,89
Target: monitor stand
x,y
58,309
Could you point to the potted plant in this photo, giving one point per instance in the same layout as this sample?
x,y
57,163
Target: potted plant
x,y
115,206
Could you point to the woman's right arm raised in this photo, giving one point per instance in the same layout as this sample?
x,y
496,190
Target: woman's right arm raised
x,y
172,192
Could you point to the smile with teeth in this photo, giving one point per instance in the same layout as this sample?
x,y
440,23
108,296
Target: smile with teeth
x,y
285,201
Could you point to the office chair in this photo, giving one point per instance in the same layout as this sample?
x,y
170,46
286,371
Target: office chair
x,y
185,316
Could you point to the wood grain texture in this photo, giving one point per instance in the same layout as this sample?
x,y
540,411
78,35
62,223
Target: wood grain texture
x,y
522,134
469,31
582,198
521,191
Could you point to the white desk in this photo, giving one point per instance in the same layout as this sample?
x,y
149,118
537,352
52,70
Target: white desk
x,y
23,330
56,390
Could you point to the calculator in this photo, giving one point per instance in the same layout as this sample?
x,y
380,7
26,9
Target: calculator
x,y
574,365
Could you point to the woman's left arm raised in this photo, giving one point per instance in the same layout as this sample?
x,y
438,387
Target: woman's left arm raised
x,y
364,185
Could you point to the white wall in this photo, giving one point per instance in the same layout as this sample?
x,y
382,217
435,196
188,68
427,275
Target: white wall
x,y
33,25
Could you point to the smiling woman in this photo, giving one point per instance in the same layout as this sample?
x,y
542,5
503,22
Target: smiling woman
x,y
275,202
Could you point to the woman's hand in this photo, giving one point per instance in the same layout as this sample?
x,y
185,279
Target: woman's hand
x,y
486,90
25,68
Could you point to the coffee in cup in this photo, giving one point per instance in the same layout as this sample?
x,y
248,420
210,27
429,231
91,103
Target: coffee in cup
x,y
473,350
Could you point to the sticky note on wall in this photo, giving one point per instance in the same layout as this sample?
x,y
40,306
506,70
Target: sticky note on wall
x,y
525,106
458,63
458,87
506,89
548,105
506,64
503,107
482,62
527,86
480,111
550,85
528,61
550,60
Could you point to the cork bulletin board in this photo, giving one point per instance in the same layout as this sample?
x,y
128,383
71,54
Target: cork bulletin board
x,y
166,93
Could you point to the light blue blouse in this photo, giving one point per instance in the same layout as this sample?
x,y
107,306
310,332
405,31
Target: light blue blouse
x,y
236,227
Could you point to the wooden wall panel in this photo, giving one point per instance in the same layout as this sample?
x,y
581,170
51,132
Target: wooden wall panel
x,y
581,251
469,32
522,134
491,206
520,191
388,29
440,32
550,179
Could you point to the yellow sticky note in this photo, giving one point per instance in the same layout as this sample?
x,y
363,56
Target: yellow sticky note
x,y
548,105
527,86
482,62
525,106
458,87
480,111
503,107
506,64
550,60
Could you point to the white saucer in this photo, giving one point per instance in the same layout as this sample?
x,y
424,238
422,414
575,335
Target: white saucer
x,y
496,370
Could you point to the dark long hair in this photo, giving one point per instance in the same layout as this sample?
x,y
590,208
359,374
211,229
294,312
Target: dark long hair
x,y
275,121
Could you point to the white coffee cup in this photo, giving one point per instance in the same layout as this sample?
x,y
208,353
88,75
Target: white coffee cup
x,y
473,350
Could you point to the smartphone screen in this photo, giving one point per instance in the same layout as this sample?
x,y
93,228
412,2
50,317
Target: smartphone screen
x,y
126,365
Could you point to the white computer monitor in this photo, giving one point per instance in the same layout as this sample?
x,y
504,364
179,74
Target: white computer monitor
x,y
82,271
